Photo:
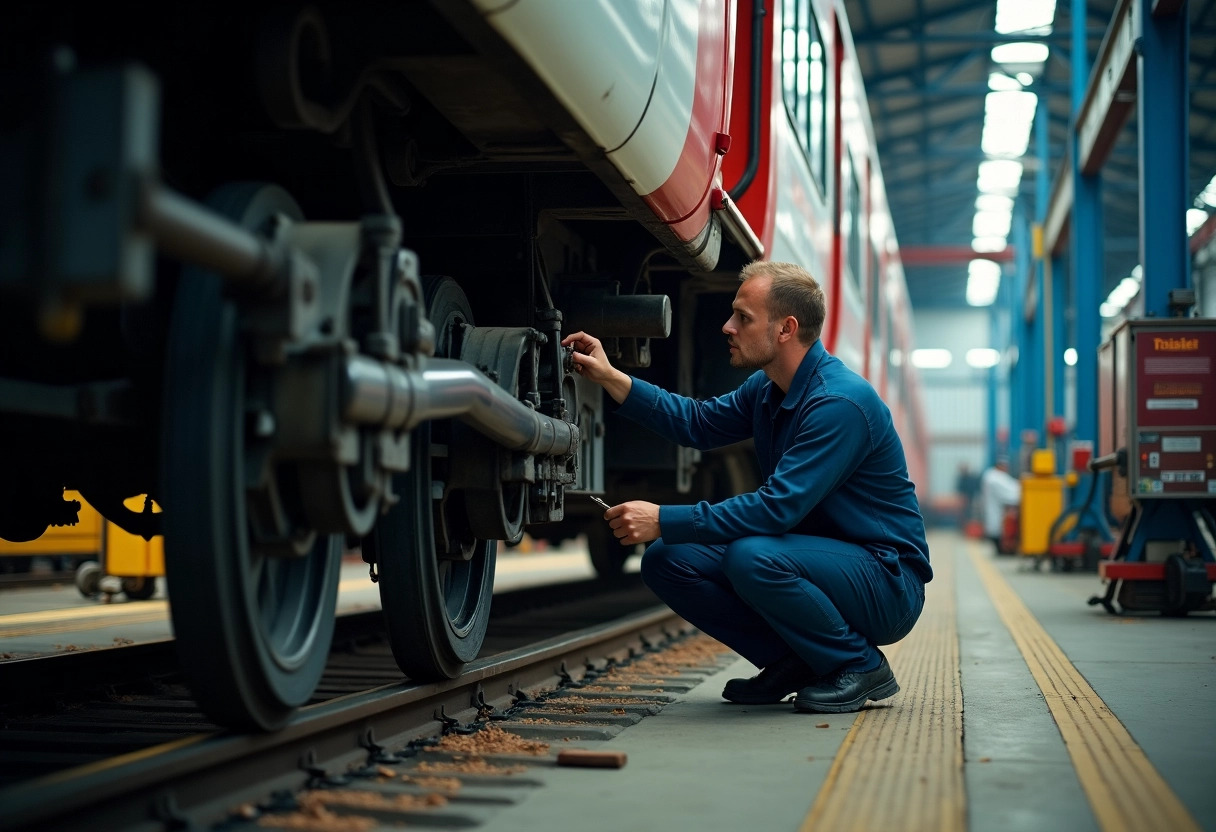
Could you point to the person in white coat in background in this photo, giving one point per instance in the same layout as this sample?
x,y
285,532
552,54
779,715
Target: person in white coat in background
x,y
998,490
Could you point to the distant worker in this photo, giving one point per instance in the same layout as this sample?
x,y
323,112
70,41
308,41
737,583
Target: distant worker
x,y
807,576
968,487
998,491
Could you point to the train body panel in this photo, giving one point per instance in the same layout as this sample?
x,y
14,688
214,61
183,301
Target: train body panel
x,y
375,222
649,84
602,60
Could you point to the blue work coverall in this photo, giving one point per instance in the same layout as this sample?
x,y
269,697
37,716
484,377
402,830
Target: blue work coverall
x,y
828,558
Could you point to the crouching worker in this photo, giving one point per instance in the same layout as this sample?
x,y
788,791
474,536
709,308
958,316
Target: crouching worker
x,y
807,576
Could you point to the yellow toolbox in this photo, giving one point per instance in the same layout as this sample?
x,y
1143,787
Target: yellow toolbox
x,y
1042,503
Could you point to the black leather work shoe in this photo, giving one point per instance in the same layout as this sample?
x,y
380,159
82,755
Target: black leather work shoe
x,y
773,684
847,691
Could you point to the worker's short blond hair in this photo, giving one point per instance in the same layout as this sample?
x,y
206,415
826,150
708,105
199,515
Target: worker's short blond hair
x,y
794,293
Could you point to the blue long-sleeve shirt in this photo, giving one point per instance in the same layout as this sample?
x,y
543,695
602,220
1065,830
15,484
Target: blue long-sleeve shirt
x,y
832,463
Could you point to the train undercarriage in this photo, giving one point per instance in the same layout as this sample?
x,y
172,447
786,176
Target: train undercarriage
x,y
301,277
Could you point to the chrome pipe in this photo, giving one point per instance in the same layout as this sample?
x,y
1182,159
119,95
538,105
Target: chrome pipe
x,y
376,393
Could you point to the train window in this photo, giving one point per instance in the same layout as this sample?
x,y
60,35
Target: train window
x,y
852,215
804,81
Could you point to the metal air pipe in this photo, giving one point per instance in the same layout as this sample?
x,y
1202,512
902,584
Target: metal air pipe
x,y
378,393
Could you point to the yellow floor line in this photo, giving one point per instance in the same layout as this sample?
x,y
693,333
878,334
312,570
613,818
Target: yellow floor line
x,y
73,619
1124,790
901,765
139,616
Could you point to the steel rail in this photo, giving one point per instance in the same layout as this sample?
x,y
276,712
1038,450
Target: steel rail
x,y
199,779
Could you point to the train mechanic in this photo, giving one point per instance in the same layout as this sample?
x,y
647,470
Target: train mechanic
x,y
806,576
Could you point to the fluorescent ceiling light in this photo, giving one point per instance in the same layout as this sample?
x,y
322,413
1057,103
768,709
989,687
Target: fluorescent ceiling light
x,y
988,245
982,287
983,280
994,202
983,357
1025,79
986,268
1008,115
1004,139
999,176
1001,81
991,224
932,359
1070,356
1109,310
1021,53
1024,15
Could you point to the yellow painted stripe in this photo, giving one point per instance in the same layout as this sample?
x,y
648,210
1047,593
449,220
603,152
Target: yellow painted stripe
x,y
1124,790
107,613
901,765
58,627
73,619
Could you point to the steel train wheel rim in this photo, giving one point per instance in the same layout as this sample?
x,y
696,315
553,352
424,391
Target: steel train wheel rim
x,y
436,608
253,630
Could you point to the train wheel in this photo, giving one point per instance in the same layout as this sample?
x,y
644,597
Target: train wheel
x,y
253,628
436,578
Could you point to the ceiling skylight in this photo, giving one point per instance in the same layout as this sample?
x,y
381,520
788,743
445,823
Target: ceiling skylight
x,y
1025,16
1007,119
1000,176
1008,116
1020,54
994,202
1001,82
987,245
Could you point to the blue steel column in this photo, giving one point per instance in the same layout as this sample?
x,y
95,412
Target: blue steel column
x,y
1086,246
1053,323
1030,338
1007,317
1059,289
1162,120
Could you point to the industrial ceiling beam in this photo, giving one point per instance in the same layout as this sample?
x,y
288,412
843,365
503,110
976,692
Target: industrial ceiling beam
x,y
986,37
946,254
1111,92
880,33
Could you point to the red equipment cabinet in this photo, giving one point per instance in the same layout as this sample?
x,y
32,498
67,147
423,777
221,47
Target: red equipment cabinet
x,y
1157,426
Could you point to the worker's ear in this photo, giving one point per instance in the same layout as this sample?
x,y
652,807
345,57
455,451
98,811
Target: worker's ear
x,y
789,328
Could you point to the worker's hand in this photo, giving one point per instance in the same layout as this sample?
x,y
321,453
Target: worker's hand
x,y
591,362
634,522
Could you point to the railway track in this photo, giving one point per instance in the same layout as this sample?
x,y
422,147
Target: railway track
x,y
131,750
